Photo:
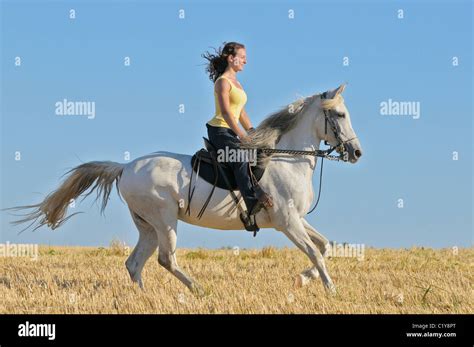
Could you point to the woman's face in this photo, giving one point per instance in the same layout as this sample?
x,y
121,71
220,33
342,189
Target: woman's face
x,y
237,63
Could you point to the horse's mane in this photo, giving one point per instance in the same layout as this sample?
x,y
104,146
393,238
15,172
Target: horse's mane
x,y
270,130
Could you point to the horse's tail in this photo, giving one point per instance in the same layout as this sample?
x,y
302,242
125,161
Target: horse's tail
x,y
52,210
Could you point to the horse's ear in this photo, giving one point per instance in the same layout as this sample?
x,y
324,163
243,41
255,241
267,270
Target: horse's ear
x,y
340,89
335,92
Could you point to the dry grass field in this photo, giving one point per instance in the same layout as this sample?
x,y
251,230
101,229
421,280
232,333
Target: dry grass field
x,y
95,280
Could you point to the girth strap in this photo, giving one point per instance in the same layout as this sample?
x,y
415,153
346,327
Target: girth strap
x,y
191,193
216,175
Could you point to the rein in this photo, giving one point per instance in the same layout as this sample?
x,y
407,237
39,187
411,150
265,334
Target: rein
x,y
325,154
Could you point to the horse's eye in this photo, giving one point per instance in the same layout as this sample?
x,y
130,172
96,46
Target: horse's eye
x,y
342,115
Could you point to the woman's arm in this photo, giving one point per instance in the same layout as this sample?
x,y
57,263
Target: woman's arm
x,y
222,89
245,120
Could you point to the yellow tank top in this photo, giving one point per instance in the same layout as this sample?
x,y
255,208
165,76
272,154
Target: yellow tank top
x,y
237,100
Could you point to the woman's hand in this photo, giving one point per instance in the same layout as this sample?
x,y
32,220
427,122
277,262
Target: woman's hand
x,y
241,135
244,139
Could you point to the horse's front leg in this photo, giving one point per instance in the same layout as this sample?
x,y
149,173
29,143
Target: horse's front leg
x,y
295,230
322,243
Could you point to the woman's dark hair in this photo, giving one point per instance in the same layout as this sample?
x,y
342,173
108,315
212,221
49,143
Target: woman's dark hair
x,y
218,61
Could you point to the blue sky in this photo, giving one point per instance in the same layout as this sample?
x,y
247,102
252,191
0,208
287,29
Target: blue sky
x,y
409,59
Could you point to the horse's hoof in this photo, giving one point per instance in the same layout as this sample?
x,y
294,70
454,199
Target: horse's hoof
x,y
330,289
300,281
198,291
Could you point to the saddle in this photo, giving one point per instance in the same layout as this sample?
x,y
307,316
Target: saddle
x,y
206,166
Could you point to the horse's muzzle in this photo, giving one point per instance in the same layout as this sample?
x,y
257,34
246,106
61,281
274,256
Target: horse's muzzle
x,y
353,153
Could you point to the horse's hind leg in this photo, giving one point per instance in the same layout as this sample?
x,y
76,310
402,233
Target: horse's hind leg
x,y
165,223
147,244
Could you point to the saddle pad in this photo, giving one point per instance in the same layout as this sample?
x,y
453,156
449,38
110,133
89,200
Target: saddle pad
x,y
206,172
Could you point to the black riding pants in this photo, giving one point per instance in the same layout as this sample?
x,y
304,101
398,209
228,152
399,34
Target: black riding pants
x,y
224,137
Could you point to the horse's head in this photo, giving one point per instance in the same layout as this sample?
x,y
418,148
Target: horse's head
x,y
333,125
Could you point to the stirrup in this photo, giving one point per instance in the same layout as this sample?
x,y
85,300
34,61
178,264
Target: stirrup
x,y
248,223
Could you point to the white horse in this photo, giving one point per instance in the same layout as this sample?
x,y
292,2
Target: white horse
x,y
155,189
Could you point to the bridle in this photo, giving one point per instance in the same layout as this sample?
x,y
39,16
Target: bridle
x,y
340,147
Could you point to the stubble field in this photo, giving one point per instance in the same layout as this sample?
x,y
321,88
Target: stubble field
x,y
95,280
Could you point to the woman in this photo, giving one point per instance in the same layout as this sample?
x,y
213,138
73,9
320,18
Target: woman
x,y
224,130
